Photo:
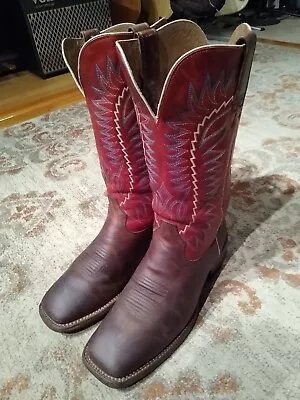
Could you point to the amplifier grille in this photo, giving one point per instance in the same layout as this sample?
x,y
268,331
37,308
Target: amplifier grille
x,y
50,27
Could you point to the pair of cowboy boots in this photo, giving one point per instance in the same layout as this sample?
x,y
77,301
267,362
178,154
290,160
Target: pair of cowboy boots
x,y
165,108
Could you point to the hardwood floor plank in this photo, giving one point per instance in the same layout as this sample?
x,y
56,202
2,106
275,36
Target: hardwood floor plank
x,y
24,96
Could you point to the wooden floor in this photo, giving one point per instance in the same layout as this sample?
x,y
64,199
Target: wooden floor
x,y
24,96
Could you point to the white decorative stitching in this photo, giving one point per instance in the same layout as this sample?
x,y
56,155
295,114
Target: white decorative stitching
x,y
107,88
217,241
119,135
148,143
193,158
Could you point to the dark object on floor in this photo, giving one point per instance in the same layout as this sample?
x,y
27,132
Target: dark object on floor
x,y
12,44
10,62
194,9
227,13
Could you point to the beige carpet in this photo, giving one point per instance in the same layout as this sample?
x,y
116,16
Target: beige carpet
x,y
246,343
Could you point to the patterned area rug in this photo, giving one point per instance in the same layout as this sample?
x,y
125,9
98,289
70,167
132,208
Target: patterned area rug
x,y
246,343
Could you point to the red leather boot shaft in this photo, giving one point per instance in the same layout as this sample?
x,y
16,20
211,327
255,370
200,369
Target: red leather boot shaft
x,y
116,130
189,143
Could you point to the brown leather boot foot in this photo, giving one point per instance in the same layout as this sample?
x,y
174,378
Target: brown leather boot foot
x,y
156,311
88,289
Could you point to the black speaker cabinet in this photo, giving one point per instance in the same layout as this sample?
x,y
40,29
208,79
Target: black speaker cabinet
x,y
50,21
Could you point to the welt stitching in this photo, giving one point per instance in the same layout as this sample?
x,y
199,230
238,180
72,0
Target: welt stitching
x,y
77,321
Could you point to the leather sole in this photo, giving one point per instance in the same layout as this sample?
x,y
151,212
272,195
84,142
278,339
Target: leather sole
x,y
79,324
146,369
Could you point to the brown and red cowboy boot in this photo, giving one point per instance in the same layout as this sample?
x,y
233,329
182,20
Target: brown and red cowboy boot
x,y
188,97
88,289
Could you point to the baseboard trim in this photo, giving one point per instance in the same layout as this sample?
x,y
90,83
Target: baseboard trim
x,y
281,43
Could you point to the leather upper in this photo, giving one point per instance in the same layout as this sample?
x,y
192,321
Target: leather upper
x,y
94,280
116,130
189,142
155,306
